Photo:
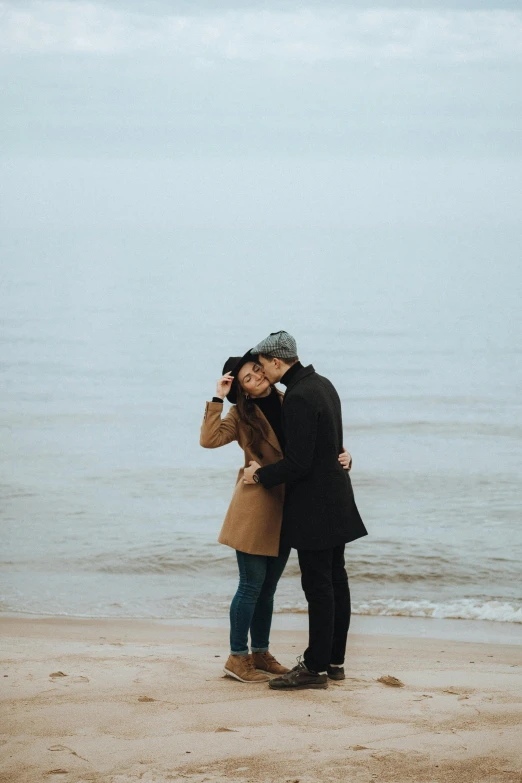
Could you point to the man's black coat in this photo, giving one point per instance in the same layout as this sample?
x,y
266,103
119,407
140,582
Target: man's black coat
x,y
319,510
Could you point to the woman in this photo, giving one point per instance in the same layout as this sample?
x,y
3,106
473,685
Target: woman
x,y
252,525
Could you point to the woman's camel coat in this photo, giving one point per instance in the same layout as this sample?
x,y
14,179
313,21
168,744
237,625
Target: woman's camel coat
x,y
253,520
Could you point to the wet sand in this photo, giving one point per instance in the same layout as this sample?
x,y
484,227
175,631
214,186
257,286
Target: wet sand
x,y
114,701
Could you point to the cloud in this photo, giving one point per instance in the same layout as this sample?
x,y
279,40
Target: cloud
x,y
307,35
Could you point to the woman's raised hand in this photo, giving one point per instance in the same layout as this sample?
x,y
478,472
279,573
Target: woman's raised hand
x,y
223,385
345,458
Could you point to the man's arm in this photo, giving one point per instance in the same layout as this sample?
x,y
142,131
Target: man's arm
x,y
300,432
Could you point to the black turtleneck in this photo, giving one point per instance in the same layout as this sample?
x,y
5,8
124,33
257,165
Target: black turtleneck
x,y
270,407
289,374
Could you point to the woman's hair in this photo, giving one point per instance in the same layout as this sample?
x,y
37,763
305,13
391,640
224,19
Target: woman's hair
x,y
255,426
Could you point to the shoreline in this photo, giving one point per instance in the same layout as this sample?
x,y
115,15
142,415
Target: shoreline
x,y
480,631
145,701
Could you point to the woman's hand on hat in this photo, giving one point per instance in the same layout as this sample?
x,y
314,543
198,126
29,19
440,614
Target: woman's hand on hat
x,y
223,385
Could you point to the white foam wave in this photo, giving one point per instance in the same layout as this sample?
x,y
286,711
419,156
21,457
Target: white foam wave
x,y
461,609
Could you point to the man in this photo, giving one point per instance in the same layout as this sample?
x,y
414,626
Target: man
x,y
319,515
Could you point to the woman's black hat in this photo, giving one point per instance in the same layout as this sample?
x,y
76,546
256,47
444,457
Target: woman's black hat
x,y
233,365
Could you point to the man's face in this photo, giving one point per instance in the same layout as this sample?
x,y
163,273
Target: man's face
x,y
274,371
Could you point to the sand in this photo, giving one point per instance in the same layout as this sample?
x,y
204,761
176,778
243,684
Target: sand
x,y
127,701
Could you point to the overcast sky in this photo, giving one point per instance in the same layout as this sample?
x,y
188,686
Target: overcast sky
x,y
216,138
321,80
260,112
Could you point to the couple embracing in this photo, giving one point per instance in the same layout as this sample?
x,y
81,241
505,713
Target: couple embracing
x,y
294,491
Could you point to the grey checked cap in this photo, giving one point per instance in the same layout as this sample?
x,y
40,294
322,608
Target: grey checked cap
x,y
280,345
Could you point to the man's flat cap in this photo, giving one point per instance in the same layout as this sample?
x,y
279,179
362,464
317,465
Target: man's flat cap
x,y
280,345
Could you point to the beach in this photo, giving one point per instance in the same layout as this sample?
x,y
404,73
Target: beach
x,y
119,701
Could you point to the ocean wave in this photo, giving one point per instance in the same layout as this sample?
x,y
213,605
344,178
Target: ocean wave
x,y
159,564
379,571
386,564
461,609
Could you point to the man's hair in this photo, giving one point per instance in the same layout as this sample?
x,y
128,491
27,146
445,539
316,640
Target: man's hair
x,y
291,360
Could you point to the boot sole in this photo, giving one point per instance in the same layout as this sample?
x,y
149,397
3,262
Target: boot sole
x,y
248,682
336,677
312,686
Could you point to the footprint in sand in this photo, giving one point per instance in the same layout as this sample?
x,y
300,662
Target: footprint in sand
x,y
62,748
455,690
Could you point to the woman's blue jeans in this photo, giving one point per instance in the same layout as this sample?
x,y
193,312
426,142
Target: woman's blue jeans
x,y
252,606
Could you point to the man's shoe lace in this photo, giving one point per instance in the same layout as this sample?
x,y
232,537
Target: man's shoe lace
x,y
300,666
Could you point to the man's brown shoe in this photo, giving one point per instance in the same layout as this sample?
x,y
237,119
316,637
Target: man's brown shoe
x,y
299,678
242,668
267,663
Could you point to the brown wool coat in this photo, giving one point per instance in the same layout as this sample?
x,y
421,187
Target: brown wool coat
x,y
253,520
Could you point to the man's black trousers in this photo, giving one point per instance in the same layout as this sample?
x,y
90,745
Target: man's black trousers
x,y
325,584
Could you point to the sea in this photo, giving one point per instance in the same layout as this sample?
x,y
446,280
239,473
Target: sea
x,y
112,338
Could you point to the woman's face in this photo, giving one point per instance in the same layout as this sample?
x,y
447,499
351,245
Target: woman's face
x,y
252,379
